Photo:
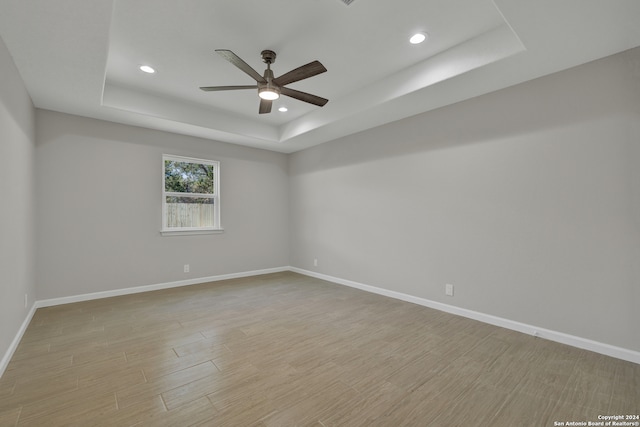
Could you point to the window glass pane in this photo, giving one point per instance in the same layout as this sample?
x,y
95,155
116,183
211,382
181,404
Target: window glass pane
x,y
189,212
186,177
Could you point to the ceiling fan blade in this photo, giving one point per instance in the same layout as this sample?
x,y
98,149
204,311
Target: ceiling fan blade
x,y
235,60
309,70
219,88
303,96
265,106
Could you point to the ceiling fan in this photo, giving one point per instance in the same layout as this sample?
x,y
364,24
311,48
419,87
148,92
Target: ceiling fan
x,y
270,88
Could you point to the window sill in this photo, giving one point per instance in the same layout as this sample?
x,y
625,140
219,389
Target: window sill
x,y
191,232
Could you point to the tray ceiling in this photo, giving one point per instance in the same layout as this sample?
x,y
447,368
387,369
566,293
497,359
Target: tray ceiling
x,y
83,56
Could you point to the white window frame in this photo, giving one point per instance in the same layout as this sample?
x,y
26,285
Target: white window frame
x,y
217,227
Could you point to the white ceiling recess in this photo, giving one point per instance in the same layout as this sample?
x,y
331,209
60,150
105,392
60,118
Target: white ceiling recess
x,y
83,57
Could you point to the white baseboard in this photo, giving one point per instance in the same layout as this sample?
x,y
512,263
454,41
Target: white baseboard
x,y
579,342
16,340
147,288
598,347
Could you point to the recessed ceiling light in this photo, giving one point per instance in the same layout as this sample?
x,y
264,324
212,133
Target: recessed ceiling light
x,y
417,38
283,109
147,69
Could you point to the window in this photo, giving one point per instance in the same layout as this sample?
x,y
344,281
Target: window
x,y
190,195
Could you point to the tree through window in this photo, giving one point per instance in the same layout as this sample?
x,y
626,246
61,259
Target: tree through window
x,y
191,199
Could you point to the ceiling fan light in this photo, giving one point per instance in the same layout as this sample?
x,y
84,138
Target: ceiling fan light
x,y
268,93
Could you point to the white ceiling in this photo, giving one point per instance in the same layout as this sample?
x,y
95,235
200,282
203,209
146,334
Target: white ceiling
x,y
82,57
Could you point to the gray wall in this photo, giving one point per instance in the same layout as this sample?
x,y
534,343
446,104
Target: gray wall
x,y
527,200
99,197
17,201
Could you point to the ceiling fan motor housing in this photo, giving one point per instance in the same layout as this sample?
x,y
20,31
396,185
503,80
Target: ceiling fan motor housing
x,y
268,90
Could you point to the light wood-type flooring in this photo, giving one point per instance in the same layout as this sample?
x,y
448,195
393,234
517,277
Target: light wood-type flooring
x,y
288,350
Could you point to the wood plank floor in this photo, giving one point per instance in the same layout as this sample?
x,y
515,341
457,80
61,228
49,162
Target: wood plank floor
x,y
289,350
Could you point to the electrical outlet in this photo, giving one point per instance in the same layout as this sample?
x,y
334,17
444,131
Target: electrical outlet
x,y
448,290
186,268
315,262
